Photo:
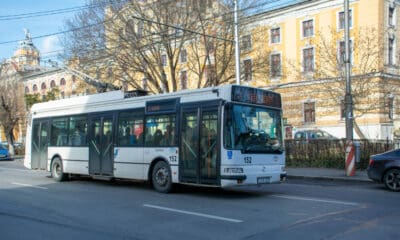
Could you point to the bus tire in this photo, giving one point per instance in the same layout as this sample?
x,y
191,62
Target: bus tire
x,y
57,170
161,177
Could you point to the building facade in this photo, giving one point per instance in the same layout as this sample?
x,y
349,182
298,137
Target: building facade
x,y
304,44
37,80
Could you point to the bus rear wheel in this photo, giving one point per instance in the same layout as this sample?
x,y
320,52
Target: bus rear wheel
x,y
57,170
161,177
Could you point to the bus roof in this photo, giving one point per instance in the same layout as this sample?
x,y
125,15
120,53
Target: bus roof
x,y
116,100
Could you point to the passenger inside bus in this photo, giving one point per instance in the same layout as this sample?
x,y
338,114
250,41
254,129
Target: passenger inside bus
x,y
78,136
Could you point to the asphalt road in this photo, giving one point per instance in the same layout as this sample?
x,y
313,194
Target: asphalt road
x,y
33,206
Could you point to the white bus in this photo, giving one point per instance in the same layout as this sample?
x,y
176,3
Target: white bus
x,y
220,136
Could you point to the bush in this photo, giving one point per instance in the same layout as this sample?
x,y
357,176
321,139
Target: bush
x,y
330,153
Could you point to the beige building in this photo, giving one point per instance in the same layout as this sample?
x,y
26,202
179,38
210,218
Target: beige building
x,y
304,43
40,80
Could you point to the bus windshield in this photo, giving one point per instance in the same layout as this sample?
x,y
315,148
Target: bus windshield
x,y
253,129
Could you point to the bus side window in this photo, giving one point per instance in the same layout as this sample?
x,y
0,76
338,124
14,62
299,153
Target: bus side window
x,y
160,131
78,131
59,129
130,128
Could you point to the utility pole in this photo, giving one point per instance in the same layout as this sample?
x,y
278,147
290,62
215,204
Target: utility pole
x,y
350,148
237,49
348,96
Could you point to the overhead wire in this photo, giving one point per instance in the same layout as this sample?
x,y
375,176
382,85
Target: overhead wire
x,y
102,22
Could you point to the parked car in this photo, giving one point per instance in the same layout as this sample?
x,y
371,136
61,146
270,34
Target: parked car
x,y
312,134
385,168
4,155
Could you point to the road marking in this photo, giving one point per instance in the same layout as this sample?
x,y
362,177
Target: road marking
x,y
15,169
193,213
28,185
315,200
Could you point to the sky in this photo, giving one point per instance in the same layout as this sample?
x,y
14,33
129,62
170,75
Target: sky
x,y
13,30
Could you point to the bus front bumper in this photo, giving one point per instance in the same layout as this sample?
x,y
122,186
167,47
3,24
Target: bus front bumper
x,y
252,179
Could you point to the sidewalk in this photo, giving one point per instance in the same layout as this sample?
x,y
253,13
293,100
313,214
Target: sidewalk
x,y
326,174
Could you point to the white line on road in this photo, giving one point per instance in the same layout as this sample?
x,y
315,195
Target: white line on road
x,y
193,213
315,200
28,185
15,169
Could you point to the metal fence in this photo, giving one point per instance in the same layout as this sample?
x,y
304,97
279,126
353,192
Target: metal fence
x,y
331,153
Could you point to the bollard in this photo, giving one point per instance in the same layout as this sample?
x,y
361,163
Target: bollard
x,y
350,159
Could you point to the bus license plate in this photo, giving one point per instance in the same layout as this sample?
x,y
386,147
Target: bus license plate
x,y
262,180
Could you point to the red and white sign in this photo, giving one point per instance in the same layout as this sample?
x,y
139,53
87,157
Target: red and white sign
x,y
350,159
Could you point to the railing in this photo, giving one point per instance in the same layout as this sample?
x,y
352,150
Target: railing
x,y
331,153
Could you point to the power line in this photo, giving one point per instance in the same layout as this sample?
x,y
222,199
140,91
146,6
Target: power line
x,y
147,20
42,13
56,11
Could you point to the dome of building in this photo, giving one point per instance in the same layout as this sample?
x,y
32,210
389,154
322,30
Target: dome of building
x,y
27,55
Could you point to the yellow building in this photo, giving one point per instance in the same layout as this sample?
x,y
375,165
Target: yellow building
x,y
304,44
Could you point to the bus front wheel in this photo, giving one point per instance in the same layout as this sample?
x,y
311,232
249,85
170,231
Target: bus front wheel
x,y
161,177
57,170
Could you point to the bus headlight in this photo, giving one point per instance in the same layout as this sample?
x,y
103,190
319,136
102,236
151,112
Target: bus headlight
x,y
233,170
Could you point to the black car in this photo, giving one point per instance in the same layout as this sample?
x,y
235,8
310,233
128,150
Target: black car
x,y
385,168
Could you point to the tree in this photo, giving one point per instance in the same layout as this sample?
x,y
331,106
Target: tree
x,y
328,74
11,102
145,43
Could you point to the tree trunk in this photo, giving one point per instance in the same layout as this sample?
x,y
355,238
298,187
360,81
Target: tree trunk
x,y
10,140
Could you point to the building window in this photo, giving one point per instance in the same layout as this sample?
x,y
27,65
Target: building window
x,y
35,88
248,69
275,35
43,87
52,84
183,80
308,28
62,82
342,52
164,60
210,45
183,56
97,73
109,72
390,107
276,65
210,74
26,90
391,51
246,43
391,17
144,84
309,112
341,20
308,60
140,28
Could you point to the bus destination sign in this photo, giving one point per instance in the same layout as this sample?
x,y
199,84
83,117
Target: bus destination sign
x,y
162,106
256,96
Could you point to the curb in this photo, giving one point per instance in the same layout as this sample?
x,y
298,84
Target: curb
x,y
330,178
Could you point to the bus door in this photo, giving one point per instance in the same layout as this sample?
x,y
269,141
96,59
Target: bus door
x,y
199,144
40,143
101,145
